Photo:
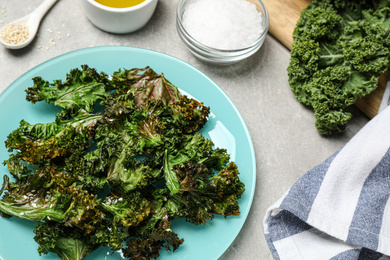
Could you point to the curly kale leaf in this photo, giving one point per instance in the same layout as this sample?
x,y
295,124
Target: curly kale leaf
x,y
68,243
18,168
81,90
147,86
340,50
47,141
49,195
127,211
148,245
203,193
71,243
194,148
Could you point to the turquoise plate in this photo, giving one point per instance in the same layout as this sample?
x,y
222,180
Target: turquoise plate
x,y
225,127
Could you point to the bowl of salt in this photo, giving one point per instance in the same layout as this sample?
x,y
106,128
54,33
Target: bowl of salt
x,y
222,31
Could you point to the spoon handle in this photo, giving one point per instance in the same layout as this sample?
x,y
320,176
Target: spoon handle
x,y
42,9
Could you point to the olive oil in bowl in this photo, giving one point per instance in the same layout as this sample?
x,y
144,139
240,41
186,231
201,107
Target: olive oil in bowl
x,y
119,3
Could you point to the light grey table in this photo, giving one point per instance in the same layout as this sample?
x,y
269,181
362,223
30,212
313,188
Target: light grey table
x,y
285,140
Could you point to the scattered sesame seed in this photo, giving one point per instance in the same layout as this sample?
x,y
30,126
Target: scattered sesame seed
x,y
51,42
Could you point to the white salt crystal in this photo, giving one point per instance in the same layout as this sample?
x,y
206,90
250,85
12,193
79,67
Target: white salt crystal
x,y
223,24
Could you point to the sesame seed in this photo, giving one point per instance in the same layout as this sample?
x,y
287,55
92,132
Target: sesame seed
x,y
14,33
51,42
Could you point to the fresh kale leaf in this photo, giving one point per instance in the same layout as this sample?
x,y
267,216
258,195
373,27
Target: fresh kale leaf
x,y
340,49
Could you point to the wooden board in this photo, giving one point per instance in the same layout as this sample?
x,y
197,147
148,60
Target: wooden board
x,y
283,16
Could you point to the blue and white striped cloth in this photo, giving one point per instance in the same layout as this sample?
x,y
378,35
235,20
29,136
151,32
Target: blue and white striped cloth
x,y
340,209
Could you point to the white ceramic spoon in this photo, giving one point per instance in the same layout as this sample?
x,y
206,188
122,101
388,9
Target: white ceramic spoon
x,y
32,20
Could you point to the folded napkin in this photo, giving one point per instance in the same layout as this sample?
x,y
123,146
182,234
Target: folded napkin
x,y
340,209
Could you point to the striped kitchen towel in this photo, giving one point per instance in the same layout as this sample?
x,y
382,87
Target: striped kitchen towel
x,y
340,209
385,102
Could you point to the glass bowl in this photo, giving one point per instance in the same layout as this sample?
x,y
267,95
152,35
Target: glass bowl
x,y
215,55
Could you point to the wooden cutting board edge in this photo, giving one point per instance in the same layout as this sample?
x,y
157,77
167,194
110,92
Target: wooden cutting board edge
x,y
284,14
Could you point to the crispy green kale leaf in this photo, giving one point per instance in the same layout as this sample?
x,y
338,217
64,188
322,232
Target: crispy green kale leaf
x,y
340,50
203,193
148,86
67,242
48,141
71,243
127,211
81,90
149,244
49,195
